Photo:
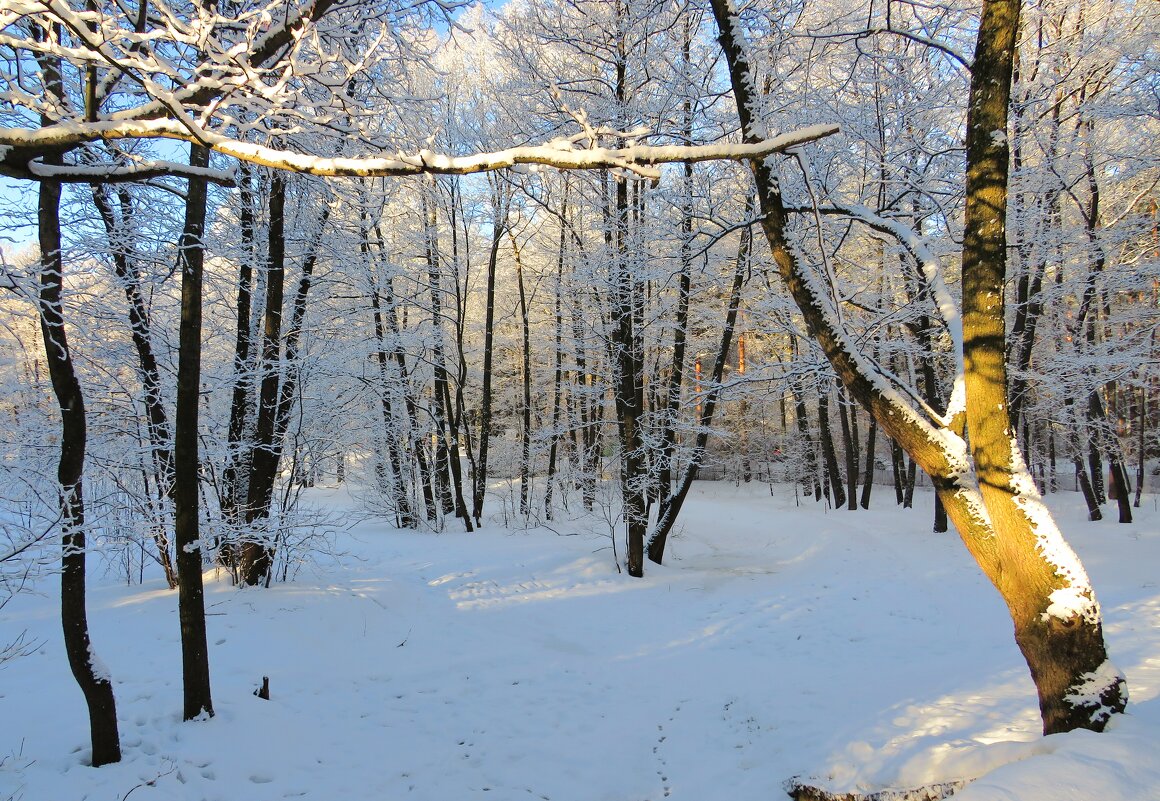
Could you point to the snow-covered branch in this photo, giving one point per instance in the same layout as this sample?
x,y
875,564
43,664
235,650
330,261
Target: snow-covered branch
x,y
558,154
119,173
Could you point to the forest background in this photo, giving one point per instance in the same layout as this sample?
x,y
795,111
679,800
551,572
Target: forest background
x,y
466,344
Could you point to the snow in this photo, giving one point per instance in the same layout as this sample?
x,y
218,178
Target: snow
x,y
99,668
855,649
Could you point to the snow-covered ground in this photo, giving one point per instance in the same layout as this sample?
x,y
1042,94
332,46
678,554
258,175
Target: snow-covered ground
x,y
855,648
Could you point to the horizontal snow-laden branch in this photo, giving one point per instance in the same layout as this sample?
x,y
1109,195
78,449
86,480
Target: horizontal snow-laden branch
x,y
559,154
120,173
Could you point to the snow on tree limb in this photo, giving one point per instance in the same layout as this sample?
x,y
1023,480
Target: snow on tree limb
x,y
116,173
558,154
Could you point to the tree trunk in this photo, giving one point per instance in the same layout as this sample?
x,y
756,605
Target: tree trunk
x,y
1142,424
847,413
868,480
674,386
191,597
558,365
91,676
628,394
458,421
499,225
526,376
833,474
811,479
404,517
255,557
235,475
448,468
996,509
898,465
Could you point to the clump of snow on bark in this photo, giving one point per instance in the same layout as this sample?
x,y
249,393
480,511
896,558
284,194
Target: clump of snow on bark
x,y
100,669
1068,602
1089,689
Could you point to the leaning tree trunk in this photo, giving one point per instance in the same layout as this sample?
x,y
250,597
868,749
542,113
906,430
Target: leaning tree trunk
x,y
90,674
988,493
1057,622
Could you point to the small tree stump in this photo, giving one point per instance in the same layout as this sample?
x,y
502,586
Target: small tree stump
x,y
263,692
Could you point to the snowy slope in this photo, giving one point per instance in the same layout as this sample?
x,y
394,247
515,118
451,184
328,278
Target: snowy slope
x,y
855,648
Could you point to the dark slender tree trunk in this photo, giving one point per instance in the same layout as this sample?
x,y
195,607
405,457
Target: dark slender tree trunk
x,y
499,226
458,416
868,480
1141,449
258,557
91,676
235,475
455,410
448,469
849,446
558,365
674,387
526,376
628,395
833,474
812,477
911,479
255,557
191,598
898,466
